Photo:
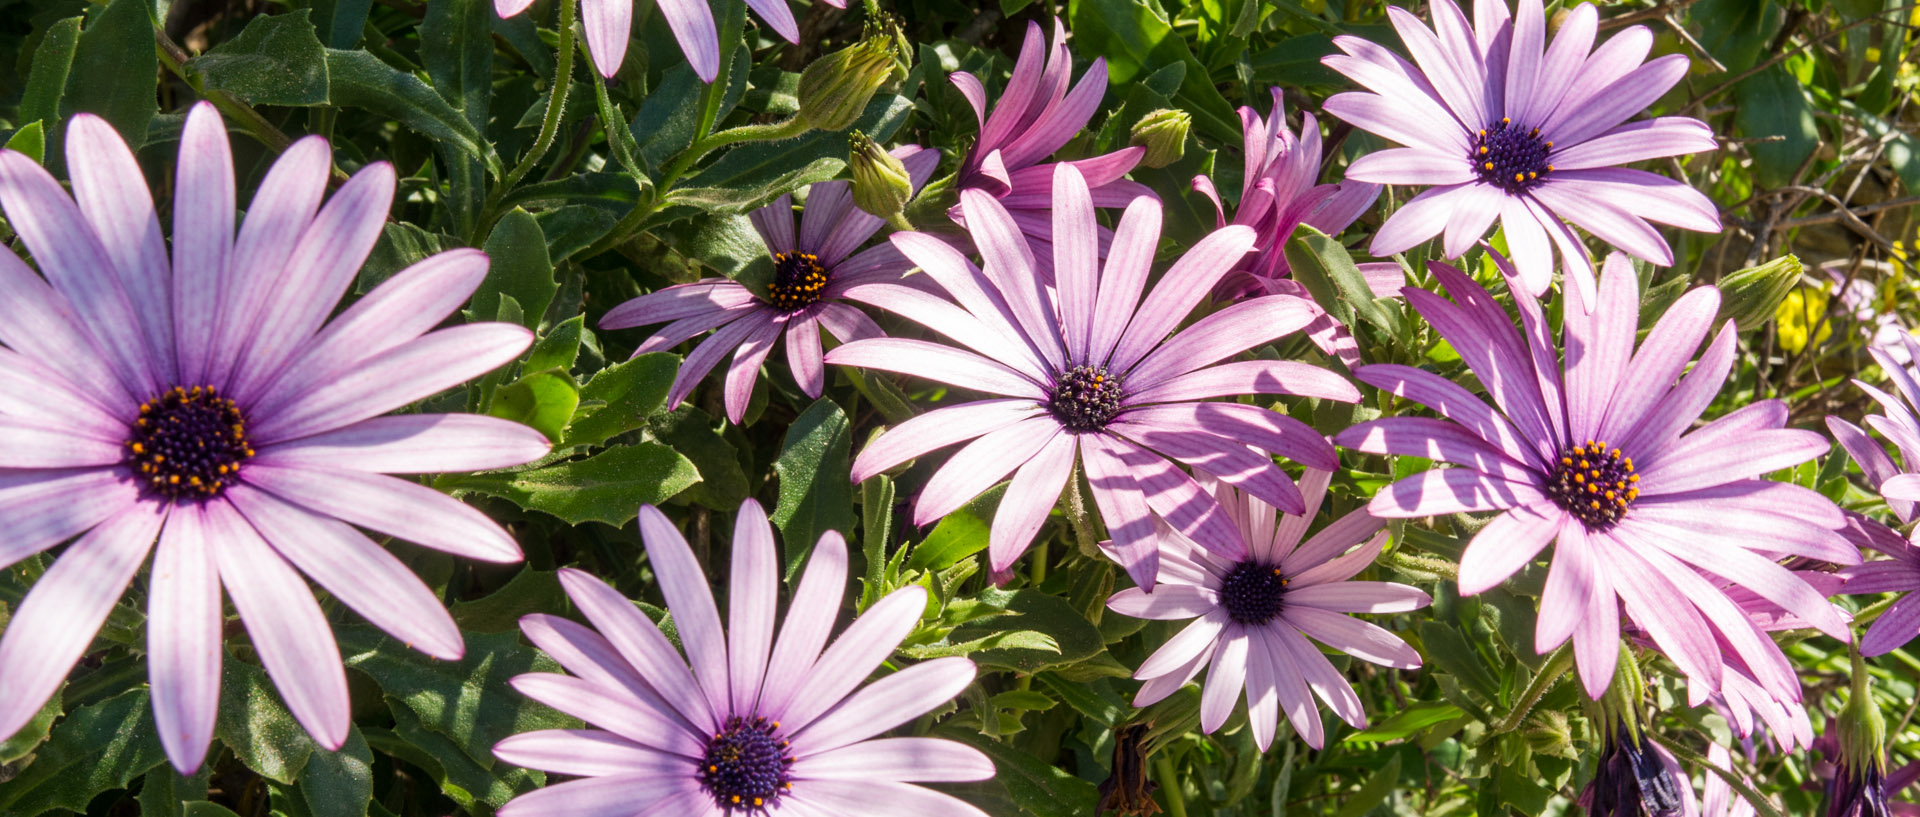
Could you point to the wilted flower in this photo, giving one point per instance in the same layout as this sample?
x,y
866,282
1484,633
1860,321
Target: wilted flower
x,y
1598,452
1034,117
1637,777
1086,370
1500,129
207,402
608,23
812,269
744,724
1253,615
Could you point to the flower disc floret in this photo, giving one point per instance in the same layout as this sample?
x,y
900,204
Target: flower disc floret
x,y
1510,157
798,279
1253,593
745,766
1085,398
1595,482
188,443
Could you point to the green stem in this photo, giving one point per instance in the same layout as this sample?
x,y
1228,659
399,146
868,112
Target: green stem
x,y
1077,514
175,59
1550,673
1169,786
899,222
745,133
1690,759
556,105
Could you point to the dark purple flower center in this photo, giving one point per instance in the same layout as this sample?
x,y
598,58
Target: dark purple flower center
x,y
798,280
745,767
188,443
1085,398
1510,158
1252,593
1594,482
1631,781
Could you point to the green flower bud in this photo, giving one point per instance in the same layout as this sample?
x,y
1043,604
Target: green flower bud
x,y
1751,296
881,185
1164,133
836,88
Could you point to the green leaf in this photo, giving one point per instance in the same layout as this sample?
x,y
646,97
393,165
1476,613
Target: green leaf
x,y
723,483
98,747
114,65
469,702
752,174
275,60
257,726
1772,103
1415,717
557,349
607,487
544,400
1136,37
620,397
815,493
1326,269
164,793
340,784
340,23
1375,791
1075,638
532,591
461,776
47,78
456,43
358,79
1450,652
1040,788
727,243
31,735
204,808
959,535
669,119
575,227
518,266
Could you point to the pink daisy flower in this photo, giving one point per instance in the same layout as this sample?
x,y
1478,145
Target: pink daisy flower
x,y
1500,124
1900,485
206,402
1598,452
1253,616
813,269
609,23
1036,115
1086,371
755,725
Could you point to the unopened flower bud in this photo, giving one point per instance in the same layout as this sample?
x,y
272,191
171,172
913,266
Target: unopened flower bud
x,y
881,185
1751,296
1858,785
1164,134
836,88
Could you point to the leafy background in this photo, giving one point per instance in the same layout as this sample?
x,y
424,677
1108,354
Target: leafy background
x,y
621,190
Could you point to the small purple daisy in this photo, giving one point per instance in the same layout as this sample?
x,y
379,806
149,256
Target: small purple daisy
x,y
208,403
813,268
1500,124
755,726
1899,484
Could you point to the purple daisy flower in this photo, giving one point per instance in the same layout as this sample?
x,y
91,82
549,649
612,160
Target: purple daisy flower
x,y
1035,116
1253,615
756,725
1501,124
1596,453
1086,371
207,402
813,269
1900,486
1278,194
608,24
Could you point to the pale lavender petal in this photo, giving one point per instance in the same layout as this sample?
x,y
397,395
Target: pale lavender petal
x,y
1221,335
1180,290
982,464
1075,260
1019,94
1611,223
777,15
804,358
885,704
965,282
1009,263
1128,262
1226,676
1560,68
33,444
1655,138
1657,605
942,316
113,197
203,208
1250,425
846,323
1123,509
282,207
1167,602
872,798
752,593
41,325
745,369
938,429
1766,579
1671,416
677,332
1438,439
509,8
1319,674
1178,500
1451,490
414,444
1455,83
1524,55
1230,461
1596,635
1290,684
1473,211
288,630
1532,251
44,508
639,640
1647,195
1360,597
1568,592
55,623
810,618
1414,166
1286,377
1598,344
604,708
1896,627
1030,497
1195,641
659,796
909,760
854,655
1418,220
390,505
361,574
695,617
1449,400
412,371
1611,104
1354,637
681,301
942,363
708,354
1508,543
589,753
607,23
1668,348
183,638
1743,455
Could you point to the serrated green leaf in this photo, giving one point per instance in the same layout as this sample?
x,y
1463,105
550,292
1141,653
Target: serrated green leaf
x,y
1415,717
723,483
456,44
518,265
339,784
1375,791
358,79
725,242
257,726
1773,104
1040,789
748,197
621,397
960,534
543,400
31,735
1326,269
1136,37
47,78
1075,639
276,60
339,23
815,493
31,140
98,747
607,487
164,793
114,63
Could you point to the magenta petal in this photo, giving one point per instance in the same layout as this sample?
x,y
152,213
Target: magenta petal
x,y
183,638
1128,262
1896,627
1354,637
1451,490
56,622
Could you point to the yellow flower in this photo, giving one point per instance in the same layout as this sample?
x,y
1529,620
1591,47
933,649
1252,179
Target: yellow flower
x,y
1797,316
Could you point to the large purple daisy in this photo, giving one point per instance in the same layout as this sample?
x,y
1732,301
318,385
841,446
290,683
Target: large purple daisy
x,y
1899,484
1597,453
1253,615
1035,116
813,267
1501,124
1086,371
756,725
609,23
207,402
